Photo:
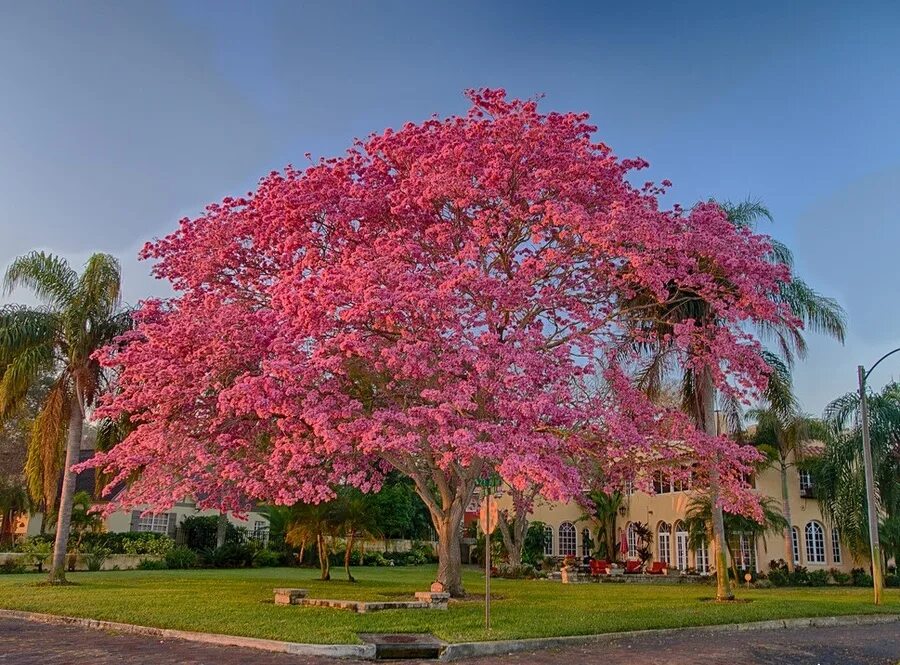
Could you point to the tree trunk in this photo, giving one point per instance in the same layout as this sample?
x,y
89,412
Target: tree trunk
x,y
449,572
513,534
786,511
710,425
324,564
221,528
64,518
347,552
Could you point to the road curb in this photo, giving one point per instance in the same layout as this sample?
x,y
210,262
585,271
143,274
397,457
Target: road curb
x,y
458,651
463,650
364,651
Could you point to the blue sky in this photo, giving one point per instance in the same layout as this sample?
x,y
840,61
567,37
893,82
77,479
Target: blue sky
x,y
116,119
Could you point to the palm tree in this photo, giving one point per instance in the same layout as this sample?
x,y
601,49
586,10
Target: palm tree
x,y
781,437
80,314
313,522
698,393
699,516
840,477
355,518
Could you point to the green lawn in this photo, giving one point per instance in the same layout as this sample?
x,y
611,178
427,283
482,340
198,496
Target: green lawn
x,y
239,602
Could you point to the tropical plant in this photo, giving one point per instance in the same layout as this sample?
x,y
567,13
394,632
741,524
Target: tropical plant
x,y
80,314
840,475
354,518
37,552
605,509
14,501
698,523
313,523
782,437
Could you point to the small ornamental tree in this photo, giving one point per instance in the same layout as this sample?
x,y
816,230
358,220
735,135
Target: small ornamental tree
x,y
443,299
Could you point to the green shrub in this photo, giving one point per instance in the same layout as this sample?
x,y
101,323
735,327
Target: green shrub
x,y
129,542
151,564
200,532
230,555
860,577
818,578
839,577
763,583
376,559
522,572
266,558
95,556
12,567
38,551
892,580
799,576
180,558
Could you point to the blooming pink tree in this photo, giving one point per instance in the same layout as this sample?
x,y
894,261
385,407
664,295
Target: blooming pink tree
x,y
442,300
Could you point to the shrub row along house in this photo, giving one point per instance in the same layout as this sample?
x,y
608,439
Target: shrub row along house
x,y
570,531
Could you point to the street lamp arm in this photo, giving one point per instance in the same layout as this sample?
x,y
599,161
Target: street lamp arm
x,y
877,362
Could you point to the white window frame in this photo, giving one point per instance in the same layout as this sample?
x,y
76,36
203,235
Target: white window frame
x,y
836,555
153,523
701,557
548,540
815,542
568,539
681,547
632,539
805,479
795,544
664,543
745,549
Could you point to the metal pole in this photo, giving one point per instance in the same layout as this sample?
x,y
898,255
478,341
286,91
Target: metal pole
x,y
870,487
487,564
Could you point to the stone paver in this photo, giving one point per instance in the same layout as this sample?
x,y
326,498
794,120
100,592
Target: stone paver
x,y
27,643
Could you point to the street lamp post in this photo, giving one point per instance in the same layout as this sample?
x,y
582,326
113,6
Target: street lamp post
x,y
872,512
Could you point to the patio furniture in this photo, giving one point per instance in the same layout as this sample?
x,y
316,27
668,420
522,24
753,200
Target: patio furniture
x,y
599,567
658,568
633,567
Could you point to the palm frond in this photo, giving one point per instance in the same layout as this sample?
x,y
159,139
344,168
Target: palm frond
x,y
46,446
48,276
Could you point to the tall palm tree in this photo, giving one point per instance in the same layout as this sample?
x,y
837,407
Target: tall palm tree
x,y
355,518
818,313
79,315
840,477
781,437
313,522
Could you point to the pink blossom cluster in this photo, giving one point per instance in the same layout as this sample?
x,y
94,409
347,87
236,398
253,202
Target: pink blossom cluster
x,y
445,294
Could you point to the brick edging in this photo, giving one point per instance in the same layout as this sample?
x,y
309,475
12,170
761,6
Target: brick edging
x,y
455,651
461,650
366,651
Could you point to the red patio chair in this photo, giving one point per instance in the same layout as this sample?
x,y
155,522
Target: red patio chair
x,y
632,567
599,567
658,568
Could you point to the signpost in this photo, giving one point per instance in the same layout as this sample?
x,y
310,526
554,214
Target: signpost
x,y
488,522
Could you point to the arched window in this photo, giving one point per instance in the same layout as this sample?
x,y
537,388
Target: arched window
x,y
835,546
701,556
681,546
548,540
586,542
632,541
815,543
795,544
664,547
567,539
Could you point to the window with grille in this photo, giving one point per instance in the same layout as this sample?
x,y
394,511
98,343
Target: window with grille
x,y
681,547
664,535
806,482
815,543
567,542
795,545
154,523
745,546
548,540
835,546
632,541
702,557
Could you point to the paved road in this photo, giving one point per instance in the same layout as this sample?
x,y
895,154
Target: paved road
x,y
26,643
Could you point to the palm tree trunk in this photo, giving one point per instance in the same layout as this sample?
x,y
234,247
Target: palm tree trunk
x,y
710,425
221,528
64,518
786,511
324,564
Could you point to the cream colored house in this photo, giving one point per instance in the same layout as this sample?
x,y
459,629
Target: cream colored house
x,y
815,544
